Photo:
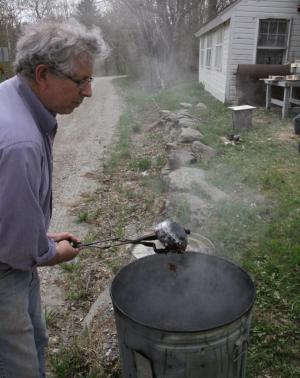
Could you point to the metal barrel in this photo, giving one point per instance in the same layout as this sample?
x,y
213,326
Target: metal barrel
x,y
296,122
183,316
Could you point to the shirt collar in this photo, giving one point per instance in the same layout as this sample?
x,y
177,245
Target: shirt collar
x,y
45,119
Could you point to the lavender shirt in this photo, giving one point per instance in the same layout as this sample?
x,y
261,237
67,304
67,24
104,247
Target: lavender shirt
x,y
27,130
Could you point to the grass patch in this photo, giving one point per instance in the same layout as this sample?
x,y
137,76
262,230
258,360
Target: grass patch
x,y
74,360
259,228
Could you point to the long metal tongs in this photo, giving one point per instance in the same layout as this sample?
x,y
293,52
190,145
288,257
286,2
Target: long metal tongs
x,y
170,234
114,242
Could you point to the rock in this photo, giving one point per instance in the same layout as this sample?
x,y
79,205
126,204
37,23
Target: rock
x,y
165,171
170,146
180,158
189,135
205,152
193,207
164,113
174,134
183,113
192,180
172,117
186,122
200,105
186,105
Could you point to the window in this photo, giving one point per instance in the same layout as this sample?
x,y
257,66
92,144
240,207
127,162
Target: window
x,y
208,51
272,41
219,50
202,52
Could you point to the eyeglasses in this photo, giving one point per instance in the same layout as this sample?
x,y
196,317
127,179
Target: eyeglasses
x,y
81,83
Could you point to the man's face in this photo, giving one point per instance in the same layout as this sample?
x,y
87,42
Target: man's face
x,y
62,93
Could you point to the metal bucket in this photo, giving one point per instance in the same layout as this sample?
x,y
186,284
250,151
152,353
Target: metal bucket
x,y
183,316
296,122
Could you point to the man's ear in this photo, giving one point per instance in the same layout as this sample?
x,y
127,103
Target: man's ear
x,y
41,74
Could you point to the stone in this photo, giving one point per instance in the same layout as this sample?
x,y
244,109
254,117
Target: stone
x,y
186,122
192,180
170,146
173,117
186,105
182,113
164,113
180,158
200,105
193,207
205,152
174,134
189,135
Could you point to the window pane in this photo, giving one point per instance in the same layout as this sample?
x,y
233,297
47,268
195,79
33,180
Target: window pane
x,y
208,58
273,33
264,26
282,27
218,58
281,40
273,27
269,57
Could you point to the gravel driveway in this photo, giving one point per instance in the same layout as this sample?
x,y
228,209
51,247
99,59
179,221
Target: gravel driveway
x,y
80,144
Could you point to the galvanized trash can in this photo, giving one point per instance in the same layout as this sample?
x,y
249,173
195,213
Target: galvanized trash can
x,y
183,316
296,121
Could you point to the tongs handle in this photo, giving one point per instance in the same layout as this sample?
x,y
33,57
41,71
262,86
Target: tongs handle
x,y
119,241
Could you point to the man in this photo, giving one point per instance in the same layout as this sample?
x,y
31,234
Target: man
x,y
54,64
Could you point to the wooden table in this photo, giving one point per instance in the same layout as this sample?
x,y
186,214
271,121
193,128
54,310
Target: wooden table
x,y
288,98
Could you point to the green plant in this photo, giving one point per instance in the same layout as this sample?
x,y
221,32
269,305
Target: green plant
x,y
182,212
51,315
140,163
74,360
82,217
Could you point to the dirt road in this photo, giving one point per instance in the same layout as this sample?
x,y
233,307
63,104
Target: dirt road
x,y
80,143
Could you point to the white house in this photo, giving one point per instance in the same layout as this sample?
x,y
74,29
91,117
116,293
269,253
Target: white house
x,y
247,32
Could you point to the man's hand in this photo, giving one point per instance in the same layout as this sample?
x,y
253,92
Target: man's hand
x,y
64,250
59,236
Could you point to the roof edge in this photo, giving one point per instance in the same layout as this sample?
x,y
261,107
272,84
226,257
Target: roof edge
x,y
218,20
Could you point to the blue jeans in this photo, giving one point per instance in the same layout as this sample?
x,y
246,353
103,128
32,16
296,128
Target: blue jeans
x,y
23,335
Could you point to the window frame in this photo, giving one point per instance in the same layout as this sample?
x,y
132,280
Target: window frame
x,y
218,61
281,49
202,51
209,51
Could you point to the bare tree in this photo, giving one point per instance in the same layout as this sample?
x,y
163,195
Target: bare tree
x,y
158,36
88,13
40,9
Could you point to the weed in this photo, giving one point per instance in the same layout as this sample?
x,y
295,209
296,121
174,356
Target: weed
x,y
51,315
75,294
156,184
71,267
83,217
74,360
140,164
182,212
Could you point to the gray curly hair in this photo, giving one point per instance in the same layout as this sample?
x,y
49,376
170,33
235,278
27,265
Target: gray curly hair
x,y
56,44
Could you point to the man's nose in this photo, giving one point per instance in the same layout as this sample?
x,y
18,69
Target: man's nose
x,y
87,91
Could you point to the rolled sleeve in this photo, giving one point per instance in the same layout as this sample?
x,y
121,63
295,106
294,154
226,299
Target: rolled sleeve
x,y
24,242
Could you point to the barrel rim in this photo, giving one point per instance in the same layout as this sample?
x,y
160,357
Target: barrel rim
x,y
247,310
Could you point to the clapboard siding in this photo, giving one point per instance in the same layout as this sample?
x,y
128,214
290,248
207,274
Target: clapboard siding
x,y
244,16
213,80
